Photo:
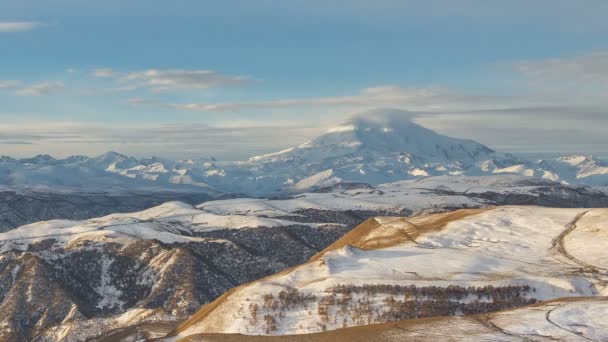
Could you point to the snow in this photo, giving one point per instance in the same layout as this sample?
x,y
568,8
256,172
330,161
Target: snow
x,y
321,179
172,222
271,155
565,321
499,247
518,169
412,195
15,272
574,160
110,295
81,329
593,226
418,172
175,222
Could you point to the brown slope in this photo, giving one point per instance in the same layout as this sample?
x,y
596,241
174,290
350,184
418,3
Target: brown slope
x,y
372,234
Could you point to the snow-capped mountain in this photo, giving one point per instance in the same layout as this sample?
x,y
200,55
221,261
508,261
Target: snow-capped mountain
x,y
374,147
108,172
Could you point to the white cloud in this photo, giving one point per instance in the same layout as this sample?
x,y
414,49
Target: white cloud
x,y
170,79
588,68
9,84
567,82
104,73
426,98
40,89
17,26
431,98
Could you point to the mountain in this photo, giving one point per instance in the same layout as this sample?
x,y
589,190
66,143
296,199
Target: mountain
x,y
75,280
465,262
64,280
21,207
382,132
109,172
373,148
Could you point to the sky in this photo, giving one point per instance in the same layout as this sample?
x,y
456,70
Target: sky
x,y
236,78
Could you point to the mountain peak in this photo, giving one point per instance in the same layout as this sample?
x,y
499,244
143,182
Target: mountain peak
x,y
39,159
576,159
394,131
110,157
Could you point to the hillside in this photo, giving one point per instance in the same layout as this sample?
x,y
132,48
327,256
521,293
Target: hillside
x,y
568,319
390,269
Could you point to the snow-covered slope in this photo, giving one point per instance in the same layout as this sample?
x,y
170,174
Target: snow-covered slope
x,y
21,207
419,196
374,147
170,222
388,269
570,319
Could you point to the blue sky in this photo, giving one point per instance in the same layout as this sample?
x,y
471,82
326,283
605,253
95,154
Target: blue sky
x,y
247,77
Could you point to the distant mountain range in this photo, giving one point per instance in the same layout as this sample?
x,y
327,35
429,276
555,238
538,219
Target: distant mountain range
x,y
373,147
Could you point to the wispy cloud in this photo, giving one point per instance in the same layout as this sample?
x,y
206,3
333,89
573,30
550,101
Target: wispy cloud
x,y
430,98
40,89
168,140
171,79
9,84
511,130
591,67
104,73
17,26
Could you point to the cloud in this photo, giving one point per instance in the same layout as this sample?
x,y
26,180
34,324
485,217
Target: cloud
x,y
17,26
185,140
171,79
558,130
9,84
431,98
513,130
104,73
567,82
40,89
591,67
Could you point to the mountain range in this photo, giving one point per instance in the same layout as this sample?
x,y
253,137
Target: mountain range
x,y
374,147
73,280
378,220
